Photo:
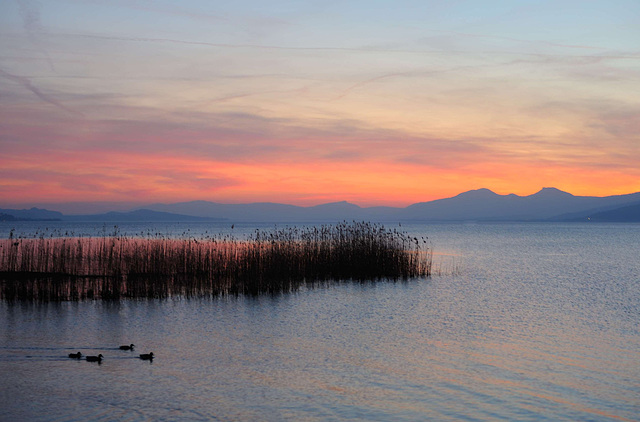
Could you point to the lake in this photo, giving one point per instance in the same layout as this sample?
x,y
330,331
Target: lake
x,y
525,322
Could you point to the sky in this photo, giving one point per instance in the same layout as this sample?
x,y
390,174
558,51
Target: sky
x,y
307,102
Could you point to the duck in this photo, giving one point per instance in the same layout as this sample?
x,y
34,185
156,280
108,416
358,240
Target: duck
x,y
146,356
94,358
129,347
75,355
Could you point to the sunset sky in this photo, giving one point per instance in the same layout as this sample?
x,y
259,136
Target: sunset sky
x,y
307,102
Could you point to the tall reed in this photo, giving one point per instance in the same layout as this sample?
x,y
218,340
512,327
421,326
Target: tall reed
x,y
114,267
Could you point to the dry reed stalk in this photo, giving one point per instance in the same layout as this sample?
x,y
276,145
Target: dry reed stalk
x,y
115,267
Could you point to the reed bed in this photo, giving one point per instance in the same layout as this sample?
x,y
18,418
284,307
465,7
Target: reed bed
x,y
282,260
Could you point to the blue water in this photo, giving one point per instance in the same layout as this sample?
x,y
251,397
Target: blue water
x,y
526,322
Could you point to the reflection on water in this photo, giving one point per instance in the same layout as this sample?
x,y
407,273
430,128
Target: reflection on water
x,y
541,323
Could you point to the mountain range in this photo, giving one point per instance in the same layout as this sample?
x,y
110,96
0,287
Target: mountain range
x,y
549,204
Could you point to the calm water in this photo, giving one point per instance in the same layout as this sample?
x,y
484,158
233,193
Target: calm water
x,y
539,322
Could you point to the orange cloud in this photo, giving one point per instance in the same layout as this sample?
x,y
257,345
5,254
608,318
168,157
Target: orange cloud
x,y
118,176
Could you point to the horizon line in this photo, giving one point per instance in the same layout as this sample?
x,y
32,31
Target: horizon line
x,y
136,205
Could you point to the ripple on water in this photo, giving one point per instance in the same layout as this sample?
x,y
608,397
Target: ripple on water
x,y
540,324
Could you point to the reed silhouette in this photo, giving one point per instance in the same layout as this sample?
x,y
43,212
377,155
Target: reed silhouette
x,y
281,260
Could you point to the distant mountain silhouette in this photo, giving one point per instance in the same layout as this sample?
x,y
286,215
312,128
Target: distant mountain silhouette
x,y
549,204
142,215
259,211
7,217
31,214
475,205
628,213
264,211
485,205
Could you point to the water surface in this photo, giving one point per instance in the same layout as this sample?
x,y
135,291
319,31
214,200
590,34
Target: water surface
x,y
529,322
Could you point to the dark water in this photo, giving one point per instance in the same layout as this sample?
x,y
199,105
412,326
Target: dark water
x,y
528,322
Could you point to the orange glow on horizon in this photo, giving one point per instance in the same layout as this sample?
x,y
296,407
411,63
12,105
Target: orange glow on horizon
x,y
112,176
307,108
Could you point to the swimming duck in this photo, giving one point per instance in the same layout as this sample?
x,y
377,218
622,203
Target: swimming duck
x,y
75,355
146,356
129,347
94,358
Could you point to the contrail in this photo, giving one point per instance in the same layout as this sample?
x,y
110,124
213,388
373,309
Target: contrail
x,y
222,45
32,25
26,83
368,81
403,74
497,37
346,49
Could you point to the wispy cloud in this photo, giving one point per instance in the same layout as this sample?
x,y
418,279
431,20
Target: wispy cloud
x,y
219,45
243,101
414,73
30,13
370,49
517,40
26,83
